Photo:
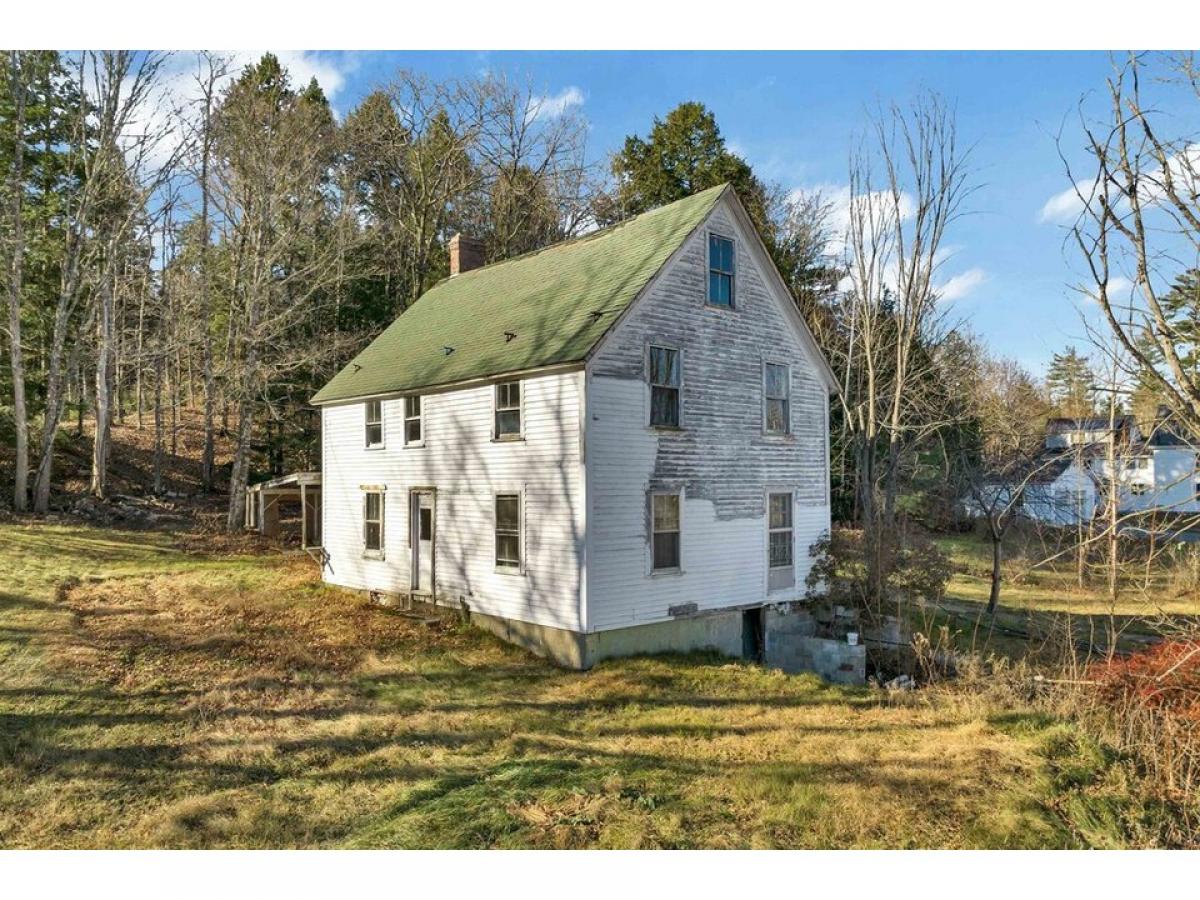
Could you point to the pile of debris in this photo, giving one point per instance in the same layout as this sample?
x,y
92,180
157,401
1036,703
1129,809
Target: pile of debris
x,y
130,512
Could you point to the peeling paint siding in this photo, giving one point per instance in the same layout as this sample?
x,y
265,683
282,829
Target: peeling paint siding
x,y
721,459
467,468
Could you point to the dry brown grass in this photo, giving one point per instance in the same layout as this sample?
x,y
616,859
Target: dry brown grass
x,y
152,697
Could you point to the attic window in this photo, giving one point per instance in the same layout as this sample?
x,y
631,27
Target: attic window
x,y
720,271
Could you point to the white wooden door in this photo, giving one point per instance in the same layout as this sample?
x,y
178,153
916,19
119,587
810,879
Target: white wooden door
x,y
422,541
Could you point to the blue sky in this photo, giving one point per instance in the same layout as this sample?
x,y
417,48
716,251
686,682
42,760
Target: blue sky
x,y
793,116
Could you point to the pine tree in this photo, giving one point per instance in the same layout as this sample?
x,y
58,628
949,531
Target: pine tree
x,y
1070,383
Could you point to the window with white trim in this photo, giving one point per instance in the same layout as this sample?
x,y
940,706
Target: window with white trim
x,y
777,410
374,423
664,387
720,270
1138,488
665,532
779,530
508,532
412,421
373,522
508,409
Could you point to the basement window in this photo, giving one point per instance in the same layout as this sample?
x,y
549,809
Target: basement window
x,y
508,532
777,410
665,532
413,436
720,271
508,410
664,387
373,523
374,421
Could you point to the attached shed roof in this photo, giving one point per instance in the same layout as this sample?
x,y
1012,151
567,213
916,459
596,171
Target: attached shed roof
x,y
545,308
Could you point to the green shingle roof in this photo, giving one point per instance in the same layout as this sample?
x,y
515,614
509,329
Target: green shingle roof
x,y
558,302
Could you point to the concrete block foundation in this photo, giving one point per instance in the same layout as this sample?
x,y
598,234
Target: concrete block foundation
x,y
788,641
720,632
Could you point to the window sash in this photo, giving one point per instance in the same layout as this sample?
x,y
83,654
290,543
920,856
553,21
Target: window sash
x,y
720,270
665,378
412,420
373,505
665,538
780,534
374,423
508,531
508,408
777,408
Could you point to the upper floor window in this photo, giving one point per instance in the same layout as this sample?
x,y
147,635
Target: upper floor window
x,y
664,387
374,417
720,270
412,421
665,532
777,412
508,531
373,522
508,409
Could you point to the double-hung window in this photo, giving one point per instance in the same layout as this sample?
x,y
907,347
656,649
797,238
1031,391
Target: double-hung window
x,y
664,387
373,522
508,532
508,410
374,422
720,270
665,532
777,410
780,541
412,421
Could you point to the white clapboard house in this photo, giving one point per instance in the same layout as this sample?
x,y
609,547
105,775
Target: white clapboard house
x,y
617,444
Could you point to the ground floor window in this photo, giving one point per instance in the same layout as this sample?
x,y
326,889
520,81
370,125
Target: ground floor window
x,y
665,532
780,530
373,521
780,541
508,532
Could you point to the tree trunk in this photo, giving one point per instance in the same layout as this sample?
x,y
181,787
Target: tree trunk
x,y
104,359
54,403
15,290
159,368
997,552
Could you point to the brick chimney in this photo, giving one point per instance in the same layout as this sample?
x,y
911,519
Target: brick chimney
x,y
465,254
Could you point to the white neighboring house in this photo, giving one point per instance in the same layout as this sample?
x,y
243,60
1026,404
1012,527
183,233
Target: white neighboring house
x,y
1155,474
616,444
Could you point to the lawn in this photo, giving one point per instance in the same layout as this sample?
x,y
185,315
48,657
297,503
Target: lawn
x,y
154,695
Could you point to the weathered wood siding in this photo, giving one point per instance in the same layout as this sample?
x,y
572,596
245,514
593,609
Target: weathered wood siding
x,y
467,468
721,459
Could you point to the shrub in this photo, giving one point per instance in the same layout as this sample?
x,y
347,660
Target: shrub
x,y
914,567
1147,705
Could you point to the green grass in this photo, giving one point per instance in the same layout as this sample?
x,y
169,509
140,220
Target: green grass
x,y
156,697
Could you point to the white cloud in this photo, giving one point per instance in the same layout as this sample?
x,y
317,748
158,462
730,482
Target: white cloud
x,y
1183,168
960,285
552,106
179,89
838,198
1064,206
